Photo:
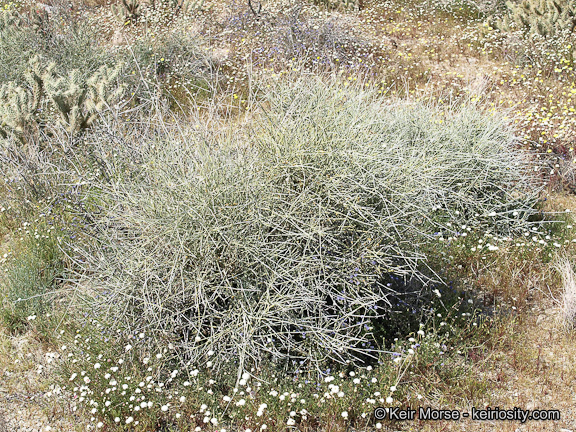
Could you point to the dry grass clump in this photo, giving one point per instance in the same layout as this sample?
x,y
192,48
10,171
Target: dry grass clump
x,y
568,302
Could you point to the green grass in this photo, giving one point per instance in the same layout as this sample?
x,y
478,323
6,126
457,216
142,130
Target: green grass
x,y
29,282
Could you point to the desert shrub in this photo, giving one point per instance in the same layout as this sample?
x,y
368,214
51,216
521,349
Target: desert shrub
x,y
154,12
15,41
58,37
174,62
290,35
448,179
73,45
472,9
568,302
552,56
127,11
279,242
350,5
324,44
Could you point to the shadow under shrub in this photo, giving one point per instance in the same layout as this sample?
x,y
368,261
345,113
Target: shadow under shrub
x,y
272,243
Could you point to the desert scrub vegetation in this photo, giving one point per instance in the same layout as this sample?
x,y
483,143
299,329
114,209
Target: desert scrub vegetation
x,y
251,230
29,285
124,383
77,102
58,37
568,295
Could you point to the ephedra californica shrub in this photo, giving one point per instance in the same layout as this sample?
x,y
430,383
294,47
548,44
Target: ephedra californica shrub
x,y
275,241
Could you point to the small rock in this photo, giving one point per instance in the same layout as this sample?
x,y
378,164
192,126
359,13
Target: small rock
x,y
118,38
49,9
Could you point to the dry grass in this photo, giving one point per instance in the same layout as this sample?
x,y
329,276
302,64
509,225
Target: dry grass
x,y
529,365
568,301
26,400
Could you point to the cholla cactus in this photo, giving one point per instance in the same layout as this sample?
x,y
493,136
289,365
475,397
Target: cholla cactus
x,y
79,101
17,110
33,76
127,11
544,17
354,5
9,18
19,106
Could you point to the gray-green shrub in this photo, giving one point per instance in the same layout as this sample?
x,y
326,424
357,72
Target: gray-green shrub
x,y
276,241
175,59
62,38
29,283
